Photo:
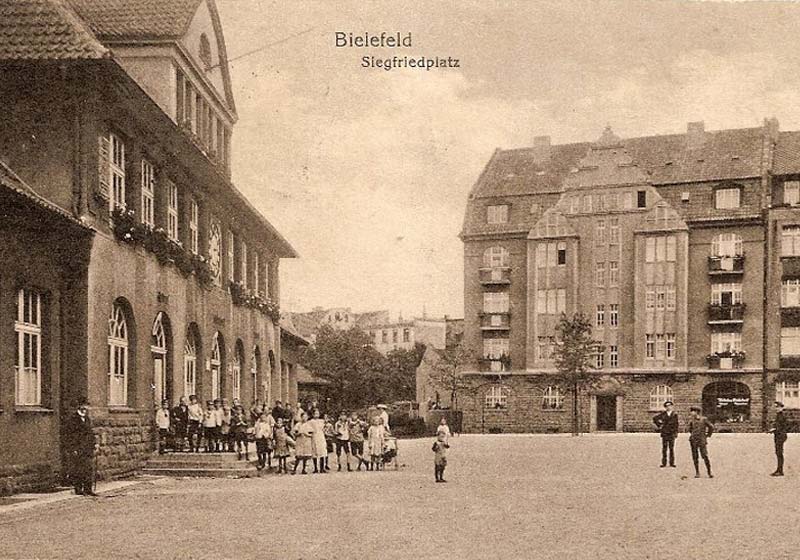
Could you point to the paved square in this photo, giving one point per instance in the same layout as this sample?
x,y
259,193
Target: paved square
x,y
596,496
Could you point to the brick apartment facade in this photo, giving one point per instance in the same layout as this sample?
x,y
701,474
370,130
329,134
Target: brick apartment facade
x,y
133,269
682,250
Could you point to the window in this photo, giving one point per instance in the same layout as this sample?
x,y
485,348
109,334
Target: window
x,y
790,293
627,200
726,342
180,105
790,241
394,335
660,249
659,395
670,248
612,202
266,277
587,203
670,346
788,392
148,193
117,357
600,233
649,346
215,251
599,359
254,363
661,298
671,299
660,346
791,193
790,341
551,254
613,315
650,299
28,365
600,316
406,335
495,302
111,170
496,257
497,214
256,274
231,257
727,198
641,199
216,367
384,337
599,203
496,397
236,369
194,227
613,273
546,345
561,255
243,269
190,366
727,245
650,249
551,301
552,399
495,348
613,356
613,230
726,294
600,274
574,204
172,211
541,255
561,301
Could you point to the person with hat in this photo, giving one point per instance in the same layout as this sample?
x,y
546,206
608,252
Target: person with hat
x,y
779,431
700,429
667,423
163,425
384,416
81,445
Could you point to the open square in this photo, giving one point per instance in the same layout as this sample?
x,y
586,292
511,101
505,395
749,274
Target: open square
x,y
595,496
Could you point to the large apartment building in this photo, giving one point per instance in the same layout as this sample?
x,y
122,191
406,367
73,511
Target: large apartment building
x,y
682,249
132,268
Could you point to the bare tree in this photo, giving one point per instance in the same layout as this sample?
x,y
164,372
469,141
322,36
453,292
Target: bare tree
x,y
445,369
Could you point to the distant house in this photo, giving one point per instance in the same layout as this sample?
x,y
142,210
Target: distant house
x,y
428,391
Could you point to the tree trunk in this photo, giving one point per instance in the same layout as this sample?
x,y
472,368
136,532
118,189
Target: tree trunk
x,y
575,423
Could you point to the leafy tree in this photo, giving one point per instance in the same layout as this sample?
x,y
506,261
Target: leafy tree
x,y
399,374
572,355
445,370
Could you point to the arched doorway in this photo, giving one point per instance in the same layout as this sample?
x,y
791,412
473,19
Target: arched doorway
x,y
726,402
217,360
191,351
255,368
159,348
236,367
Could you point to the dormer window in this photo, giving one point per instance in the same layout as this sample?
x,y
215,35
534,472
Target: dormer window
x,y
791,193
205,52
497,214
727,198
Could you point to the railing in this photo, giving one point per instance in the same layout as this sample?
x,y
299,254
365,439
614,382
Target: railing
x,y
726,313
498,275
725,360
726,265
495,321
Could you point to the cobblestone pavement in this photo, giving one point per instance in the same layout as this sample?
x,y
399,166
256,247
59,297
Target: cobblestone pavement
x,y
596,496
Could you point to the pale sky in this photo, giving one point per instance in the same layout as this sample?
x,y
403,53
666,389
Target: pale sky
x,y
366,172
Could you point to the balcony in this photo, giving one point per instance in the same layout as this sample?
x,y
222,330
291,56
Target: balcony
x,y
495,276
495,321
726,265
726,314
495,365
725,360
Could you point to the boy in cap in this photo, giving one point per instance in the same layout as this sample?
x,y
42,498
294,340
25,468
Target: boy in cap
x,y
195,429
439,448
163,423
779,430
700,429
667,424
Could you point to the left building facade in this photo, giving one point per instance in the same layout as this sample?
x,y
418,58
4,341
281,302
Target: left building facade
x,y
133,269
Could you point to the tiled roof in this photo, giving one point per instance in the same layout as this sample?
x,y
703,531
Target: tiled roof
x,y
44,30
128,19
306,324
372,318
787,153
725,154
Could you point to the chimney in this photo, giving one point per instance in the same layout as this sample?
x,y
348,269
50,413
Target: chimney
x,y
541,148
695,135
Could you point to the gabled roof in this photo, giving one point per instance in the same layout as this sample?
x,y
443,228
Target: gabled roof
x,y
787,153
137,19
665,159
45,30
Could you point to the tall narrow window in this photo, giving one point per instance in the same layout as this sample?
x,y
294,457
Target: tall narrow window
x,y
613,315
599,358
670,346
216,367
254,359
215,251
790,241
172,211
561,300
148,193
111,170
649,346
790,293
613,356
600,273
641,199
28,328
194,226
613,273
600,318
600,232
117,357
190,366
244,264
180,106
561,254
231,257
613,230
791,193
236,368
256,274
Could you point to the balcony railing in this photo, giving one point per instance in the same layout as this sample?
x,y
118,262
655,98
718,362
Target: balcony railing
x,y
725,314
726,265
495,321
497,365
495,276
725,360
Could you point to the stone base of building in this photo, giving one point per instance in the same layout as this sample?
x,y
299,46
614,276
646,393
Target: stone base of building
x,y
126,443
538,403
28,478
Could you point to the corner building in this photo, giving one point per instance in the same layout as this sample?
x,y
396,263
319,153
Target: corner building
x,y
133,269
681,251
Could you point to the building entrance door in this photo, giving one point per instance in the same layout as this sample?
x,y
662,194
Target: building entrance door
x,y
159,379
606,413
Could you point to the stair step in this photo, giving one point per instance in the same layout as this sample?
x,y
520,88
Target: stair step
x,y
160,464
203,472
199,457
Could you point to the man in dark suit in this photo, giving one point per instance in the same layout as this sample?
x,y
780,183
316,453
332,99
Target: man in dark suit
x,y
700,429
779,430
180,420
81,445
667,424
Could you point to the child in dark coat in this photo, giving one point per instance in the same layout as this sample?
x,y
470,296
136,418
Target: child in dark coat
x,y
440,447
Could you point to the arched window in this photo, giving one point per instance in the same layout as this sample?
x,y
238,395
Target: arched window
x,y
236,369
158,347
216,366
497,397
726,402
659,395
726,245
496,257
553,399
190,364
28,328
117,357
255,365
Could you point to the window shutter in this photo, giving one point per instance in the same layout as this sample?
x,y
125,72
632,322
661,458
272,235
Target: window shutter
x,y
104,166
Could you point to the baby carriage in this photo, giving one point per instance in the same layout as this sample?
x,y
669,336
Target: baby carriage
x,y
390,452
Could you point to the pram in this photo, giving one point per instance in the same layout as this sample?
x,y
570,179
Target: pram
x,y
390,452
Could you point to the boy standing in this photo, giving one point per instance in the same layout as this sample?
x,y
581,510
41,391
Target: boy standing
x,y
210,427
781,427
667,424
440,447
700,429
342,440
355,429
195,432
162,421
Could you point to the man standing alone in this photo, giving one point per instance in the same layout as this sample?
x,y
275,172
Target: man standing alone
x,y
779,430
81,446
667,424
700,429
